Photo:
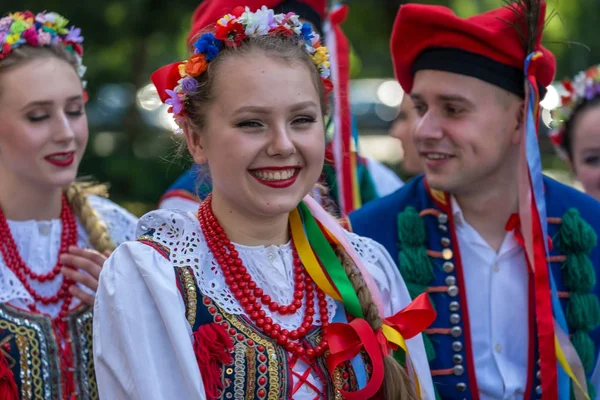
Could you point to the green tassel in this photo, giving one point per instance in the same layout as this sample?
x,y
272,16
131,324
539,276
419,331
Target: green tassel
x,y
429,349
411,228
578,273
583,312
414,264
585,349
414,289
575,234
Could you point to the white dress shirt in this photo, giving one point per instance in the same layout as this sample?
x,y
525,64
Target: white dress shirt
x,y
497,296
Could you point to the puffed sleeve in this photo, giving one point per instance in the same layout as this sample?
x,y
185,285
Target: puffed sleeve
x,y
395,297
142,341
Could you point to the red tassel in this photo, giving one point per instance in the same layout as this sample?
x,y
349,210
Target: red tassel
x,y
8,386
212,346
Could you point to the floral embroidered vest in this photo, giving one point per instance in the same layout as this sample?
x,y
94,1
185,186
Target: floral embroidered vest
x,y
260,368
28,343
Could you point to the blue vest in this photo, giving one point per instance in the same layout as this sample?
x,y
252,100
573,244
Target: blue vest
x,y
452,368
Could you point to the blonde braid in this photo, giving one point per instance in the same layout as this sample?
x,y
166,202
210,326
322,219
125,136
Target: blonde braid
x,y
396,382
96,229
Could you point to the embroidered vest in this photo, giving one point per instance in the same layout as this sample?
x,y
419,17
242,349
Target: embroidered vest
x,y
28,343
260,368
449,336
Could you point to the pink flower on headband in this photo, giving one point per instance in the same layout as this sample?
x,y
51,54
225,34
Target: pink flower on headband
x,y
44,39
30,36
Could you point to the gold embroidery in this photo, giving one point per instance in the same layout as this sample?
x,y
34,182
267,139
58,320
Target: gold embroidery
x,y
273,366
92,385
22,346
251,376
35,356
438,195
337,383
189,284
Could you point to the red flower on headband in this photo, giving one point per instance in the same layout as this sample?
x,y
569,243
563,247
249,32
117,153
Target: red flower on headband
x,y
232,34
281,30
5,50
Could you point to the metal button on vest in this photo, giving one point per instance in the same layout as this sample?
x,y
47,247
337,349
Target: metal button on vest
x,y
447,254
538,390
461,387
538,375
457,359
454,319
450,280
448,267
452,291
457,346
445,242
456,331
458,370
443,228
443,218
454,306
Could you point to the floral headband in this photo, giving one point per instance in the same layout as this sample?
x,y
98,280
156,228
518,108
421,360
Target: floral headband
x,y
176,82
45,29
585,86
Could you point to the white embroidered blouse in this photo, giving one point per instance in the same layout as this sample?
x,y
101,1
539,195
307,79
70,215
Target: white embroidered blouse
x,y
142,340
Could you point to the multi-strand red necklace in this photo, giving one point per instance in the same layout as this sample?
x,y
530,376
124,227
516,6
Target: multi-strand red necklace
x,y
13,260
252,298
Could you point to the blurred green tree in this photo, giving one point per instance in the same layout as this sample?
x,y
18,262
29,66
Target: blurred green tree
x,y
126,40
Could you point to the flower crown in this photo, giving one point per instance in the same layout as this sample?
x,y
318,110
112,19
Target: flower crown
x,y
585,86
230,31
45,29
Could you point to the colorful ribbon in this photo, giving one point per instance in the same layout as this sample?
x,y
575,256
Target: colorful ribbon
x,y
340,73
325,269
347,340
553,342
339,235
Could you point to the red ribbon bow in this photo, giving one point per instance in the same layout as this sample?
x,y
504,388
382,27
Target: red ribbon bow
x,y
347,340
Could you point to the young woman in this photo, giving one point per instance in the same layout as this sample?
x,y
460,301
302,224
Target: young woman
x,y
55,233
577,136
250,297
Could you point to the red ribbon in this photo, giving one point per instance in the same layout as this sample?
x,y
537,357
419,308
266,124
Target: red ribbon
x,y
342,105
166,78
347,340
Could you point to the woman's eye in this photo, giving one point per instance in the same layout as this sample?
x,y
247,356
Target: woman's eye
x,y
37,117
249,124
304,120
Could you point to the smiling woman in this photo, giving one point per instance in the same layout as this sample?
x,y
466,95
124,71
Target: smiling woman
x,y
55,234
250,297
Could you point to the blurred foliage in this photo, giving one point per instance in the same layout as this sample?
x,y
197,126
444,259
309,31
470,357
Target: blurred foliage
x,y
126,40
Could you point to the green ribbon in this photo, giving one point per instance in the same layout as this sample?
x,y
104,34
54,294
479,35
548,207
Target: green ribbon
x,y
330,262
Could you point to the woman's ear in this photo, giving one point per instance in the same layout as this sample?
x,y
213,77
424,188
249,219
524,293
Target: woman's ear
x,y
195,142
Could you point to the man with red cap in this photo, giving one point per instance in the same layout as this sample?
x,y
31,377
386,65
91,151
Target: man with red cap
x,y
372,178
508,257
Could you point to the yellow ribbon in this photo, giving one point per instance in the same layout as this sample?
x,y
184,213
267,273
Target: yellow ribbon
x,y
562,360
312,266
308,258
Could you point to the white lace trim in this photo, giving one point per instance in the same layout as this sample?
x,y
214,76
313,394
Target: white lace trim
x,y
271,267
38,243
